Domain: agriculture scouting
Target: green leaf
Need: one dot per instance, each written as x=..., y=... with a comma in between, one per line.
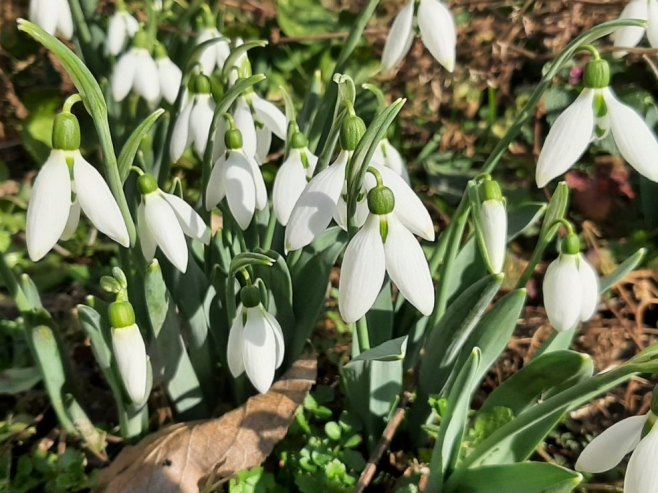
x=557, y=208
x=237, y=52
x=528, y=477
x=17, y=380
x=453, y=423
x=623, y=270
x=393, y=350
x=548, y=371
x=36, y=131
x=131, y=146
x=298, y=18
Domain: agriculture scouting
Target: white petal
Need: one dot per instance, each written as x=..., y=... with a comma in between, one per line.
x=362, y=272
x=567, y=140
x=146, y=239
x=131, y=24
x=609, y=448
x=200, y=121
x=97, y=201
x=634, y=139
x=629, y=37
x=399, y=37
x=589, y=282
x=170, y=77
x=244, y=121
x=271, y=116
x=234, y=346
x=642, y=473
x=130, y=354
x=72, y=221
x=165, y=229
x=222, y=52
x=259, y=184
x=216, y=190
x=562, y=292
x=123, y=75
x=46, y=15
x=652, y=27
x=314, y=209
x=258, y=350
x=147, y=82
x=263, y=143
x=389, y=156
x=48, y=210
x=493, y=219
x=65, y=20
x=181, y=136
x=191, y=223
x=208, y=58
x=438, y=31
x=240, y=188
x=289, y=184
x=116, y=34
x=407, y=266
x=278, y=336
x=409, y=209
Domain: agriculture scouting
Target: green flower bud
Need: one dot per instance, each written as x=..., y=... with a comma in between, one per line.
x=160, y=51
x=147, y=184
x=199, y=84
x=351, y=132
x=597, y=74
x=250, y=296
x=66, y=132
x=571, y=244
x=381, y=201
x=491, y=190
x=142, y=40
x=298, y=141
x=121, y=314
x=233, y=139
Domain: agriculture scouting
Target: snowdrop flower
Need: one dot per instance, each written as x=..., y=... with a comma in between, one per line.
x=630, y=36
x=163, y=220
x=255, y=341
x=386, y=243
x=129, y=351
x=53, y=213
x=389, y=156
x=121, y=28
x=323, y=197
x=237, y=177
x=215, y=55
x=193, y=123
x=637, y=434
x=53, y=16
x=258, y=119
x=591, y=116
x=292, y=177
x=137, y=71
x=571, y=287
x=493, y=221
x=169, y=75
x=437, y=30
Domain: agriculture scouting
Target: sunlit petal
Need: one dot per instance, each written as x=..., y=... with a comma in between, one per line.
x=170, y=77
x=258, y=350
x=562, y=292
x=192, y=224
x=438, y=31
x=289, y=184
x=72, y=222
x=399, y=37
x=216, y=190
x=271, y=116
x=123, y=75
x=589, y=282
x=166, y=231
x=240, y=188
x=493, y=219
x=130, y=355
x=146, y=239
x=278, y=336
x=244, y=121
x=181, y=137
x=147, y=82
x=200, y=121
x=234, y=346
x=629, y=37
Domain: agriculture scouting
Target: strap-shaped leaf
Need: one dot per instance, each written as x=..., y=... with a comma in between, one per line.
x=131, y=146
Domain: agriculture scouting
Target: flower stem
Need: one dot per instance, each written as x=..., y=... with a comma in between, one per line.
x=362, y=334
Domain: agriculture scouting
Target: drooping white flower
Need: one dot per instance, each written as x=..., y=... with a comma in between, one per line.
x=53, y=16
x=592, y=115
x=169, y=76
x=571, y=287
x=609, y=448
x=129, y=351
x=193, y=123
x=387, y=155
x=255, y=342
x=386, y=243
x=292, y=177
x=136, y=71
x=630, y=36
x=493, y=220
x=163, y=220
x=437, y=30
x=236, y=176
x=215, y=55
x=66, y=184
x=258, y=119
x=121, y=27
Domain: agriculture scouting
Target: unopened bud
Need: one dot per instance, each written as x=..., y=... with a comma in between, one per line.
x=147, y=184
x=66, y=132
x=233, y=139
x=250, y=296
x=351, y=132
x=597, y=74
x=381, y=200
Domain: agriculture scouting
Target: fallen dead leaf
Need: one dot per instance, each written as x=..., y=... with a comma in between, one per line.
x=177, y=458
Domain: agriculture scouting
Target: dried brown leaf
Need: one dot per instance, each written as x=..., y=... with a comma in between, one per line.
x=178, y=457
